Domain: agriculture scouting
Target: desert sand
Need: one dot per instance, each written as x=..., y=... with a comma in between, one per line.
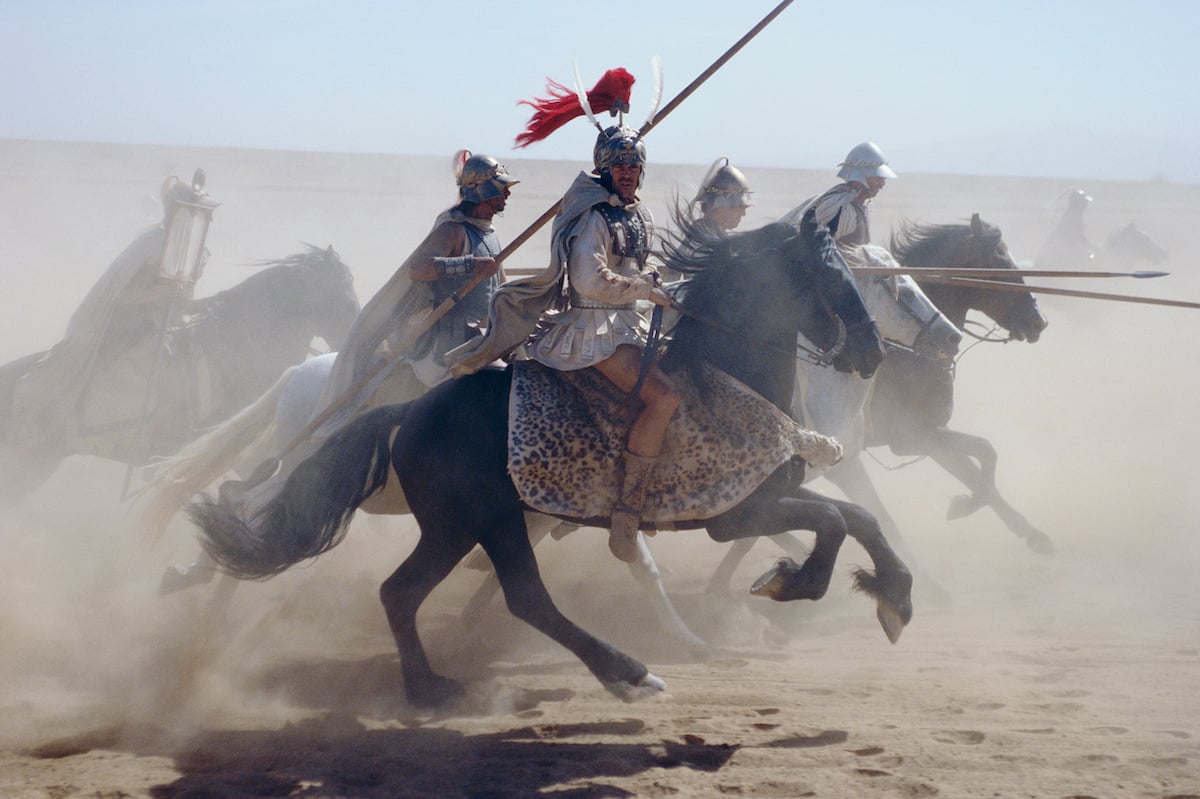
x=1021, y=675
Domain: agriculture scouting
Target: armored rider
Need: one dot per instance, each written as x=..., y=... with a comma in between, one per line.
x=1067, y=246
x=139, y=296
x=722, y=200
x=723, y=197
x=844, y=207
x=461, y=248
x=600, y=244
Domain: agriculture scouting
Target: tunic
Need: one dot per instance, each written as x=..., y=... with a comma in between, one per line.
x=606, y=276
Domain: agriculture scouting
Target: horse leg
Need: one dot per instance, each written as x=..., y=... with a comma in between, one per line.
x=645, y=571
x=755, y=518
x=737, y=552
x=402, y=594
x=525, y=594
x=851, y=477
x=953, y=451
x=891, y=584
x=538, y=526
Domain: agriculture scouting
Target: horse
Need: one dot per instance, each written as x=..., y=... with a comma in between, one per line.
x=913, y=398
x=231, y=347
x=826, y=400
x=1128, y=246
x=446, y=454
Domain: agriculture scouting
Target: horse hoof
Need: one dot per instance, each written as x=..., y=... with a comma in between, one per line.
x=962, y=506
x=775, y=580
x=1041, y=544
x=890, y=620
x=646, y=687
x=434, y=692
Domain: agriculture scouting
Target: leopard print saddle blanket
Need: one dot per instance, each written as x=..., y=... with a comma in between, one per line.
x=566, y=436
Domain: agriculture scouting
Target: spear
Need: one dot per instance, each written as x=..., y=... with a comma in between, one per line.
x=1094, y=295
x=925, y=272
x=413, y=333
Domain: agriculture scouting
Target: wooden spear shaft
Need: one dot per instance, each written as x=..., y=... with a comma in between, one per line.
x=1094, y=295
x=448, y=304
x=930, y=271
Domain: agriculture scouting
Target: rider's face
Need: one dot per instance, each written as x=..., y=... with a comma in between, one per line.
x=625, y=178
x=874, y=185
x=726, y=218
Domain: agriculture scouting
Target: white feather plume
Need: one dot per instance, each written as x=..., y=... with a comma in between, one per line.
x=583, y=99
x=657, y=67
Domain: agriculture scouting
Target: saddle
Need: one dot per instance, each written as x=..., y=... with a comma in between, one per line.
x=567, y=432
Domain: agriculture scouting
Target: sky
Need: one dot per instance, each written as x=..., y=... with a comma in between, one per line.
x=1094, y=89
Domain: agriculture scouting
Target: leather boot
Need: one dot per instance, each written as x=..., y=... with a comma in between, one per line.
x=622, y=535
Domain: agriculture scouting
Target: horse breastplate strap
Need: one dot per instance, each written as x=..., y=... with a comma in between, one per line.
x=630, y=234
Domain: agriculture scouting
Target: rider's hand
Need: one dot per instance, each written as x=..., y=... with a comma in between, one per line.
x=660, y=297
x=483, y=266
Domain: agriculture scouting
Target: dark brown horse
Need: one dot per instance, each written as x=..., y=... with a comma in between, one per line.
x=914, y=396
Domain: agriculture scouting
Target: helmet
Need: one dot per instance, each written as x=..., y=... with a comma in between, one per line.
x=864, y=161
x=724, y=187
x=480, y=177
x=618, y=145
x=1078, y=200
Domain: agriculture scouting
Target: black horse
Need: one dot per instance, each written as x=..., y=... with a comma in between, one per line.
x=914, y=395
x=447, y=451
x=231, y=348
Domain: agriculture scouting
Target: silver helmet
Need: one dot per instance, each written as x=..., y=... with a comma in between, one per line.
x=864, y=161
x=480, y=177
x=723, y=187
x=1078, y=200
x=618, y=145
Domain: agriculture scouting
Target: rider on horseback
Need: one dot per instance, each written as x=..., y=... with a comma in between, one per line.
x=134, y=302
x=843, y=208
x=600, y=244
x=462, y=246
x=723, y=198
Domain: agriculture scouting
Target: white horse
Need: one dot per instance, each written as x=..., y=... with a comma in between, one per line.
x=828, y=401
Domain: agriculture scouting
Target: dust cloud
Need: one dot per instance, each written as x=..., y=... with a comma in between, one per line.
x=1094, y=426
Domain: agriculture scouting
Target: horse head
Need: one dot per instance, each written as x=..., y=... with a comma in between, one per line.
x=976, y=245
x=326, y=293
x=903, y=313
x=1130, y=244
x=751, y=292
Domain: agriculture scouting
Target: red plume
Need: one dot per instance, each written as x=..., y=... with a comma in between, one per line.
x=610, y=93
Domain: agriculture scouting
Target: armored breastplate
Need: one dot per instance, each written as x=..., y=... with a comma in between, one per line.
x=630, y=234
x=474, y=306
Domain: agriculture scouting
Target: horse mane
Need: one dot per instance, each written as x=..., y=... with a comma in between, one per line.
x=709, y=258
x=276, y=269
x=923, y=244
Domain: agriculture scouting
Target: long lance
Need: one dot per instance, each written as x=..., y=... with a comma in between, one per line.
x=924, y=272
x=550, y=212
x=1094, y=295
x=407, y=340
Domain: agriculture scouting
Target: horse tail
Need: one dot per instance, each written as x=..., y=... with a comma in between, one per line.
x=311, y=513
x=189, y=471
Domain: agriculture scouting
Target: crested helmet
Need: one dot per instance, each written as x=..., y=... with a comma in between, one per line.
x=480, y=177
x=723, y=187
